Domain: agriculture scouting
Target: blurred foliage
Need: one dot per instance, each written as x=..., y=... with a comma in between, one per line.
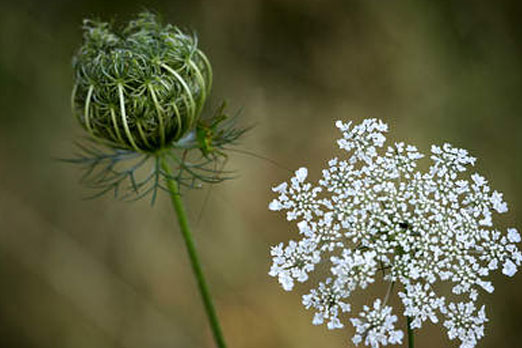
x=104, y=273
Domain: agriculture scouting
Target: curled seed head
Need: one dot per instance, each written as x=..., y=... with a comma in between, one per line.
x=139, y=88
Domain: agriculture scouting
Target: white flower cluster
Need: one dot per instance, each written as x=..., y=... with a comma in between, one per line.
x=376, y=326
x=376, y=215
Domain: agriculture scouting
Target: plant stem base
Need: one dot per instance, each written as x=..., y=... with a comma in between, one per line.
x=177, y=203
x=410, y=333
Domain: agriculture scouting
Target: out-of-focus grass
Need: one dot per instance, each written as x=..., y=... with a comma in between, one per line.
x=103, y=273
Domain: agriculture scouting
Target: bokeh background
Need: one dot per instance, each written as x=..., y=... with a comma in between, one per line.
x=102, y=273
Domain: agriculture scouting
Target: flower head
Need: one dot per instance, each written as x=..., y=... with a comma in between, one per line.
x=139, y=92
x=376, y=326
x=375, y=215
x=142, y=87
x=462, y=323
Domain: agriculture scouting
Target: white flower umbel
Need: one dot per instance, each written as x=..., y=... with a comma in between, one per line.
x=421, y=303
x=294, y=261
x=462, y=324
x=376, y=326
x=375, y=215
x=327, y=300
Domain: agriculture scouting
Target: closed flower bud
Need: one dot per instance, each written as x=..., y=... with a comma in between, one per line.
x=140, y=88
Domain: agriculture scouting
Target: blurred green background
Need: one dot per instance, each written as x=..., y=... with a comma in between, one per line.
x=102, y=273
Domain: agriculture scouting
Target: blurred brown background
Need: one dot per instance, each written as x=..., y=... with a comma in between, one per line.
x=103, y=273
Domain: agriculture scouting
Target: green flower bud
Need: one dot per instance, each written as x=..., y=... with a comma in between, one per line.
x=141, y=88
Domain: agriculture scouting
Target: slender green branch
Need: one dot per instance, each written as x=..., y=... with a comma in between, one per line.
x=185, y=86
x=115, y=126
x=410, y=333
x=87, y=111
x=160, y=114
x=177, y=203
x=124, y=118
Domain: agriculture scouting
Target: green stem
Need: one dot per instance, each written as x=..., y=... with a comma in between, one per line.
x=410, y=332
x=177, y=203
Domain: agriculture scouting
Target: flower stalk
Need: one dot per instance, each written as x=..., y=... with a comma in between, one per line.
x=177, y=203
x=410, y=333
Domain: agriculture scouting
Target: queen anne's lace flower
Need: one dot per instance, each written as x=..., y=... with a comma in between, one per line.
x=299, y=199
x=294, y=261
x=421, y=303
x=375, y=326
x=375, y=215
x=462, y=324
x=327, y=301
